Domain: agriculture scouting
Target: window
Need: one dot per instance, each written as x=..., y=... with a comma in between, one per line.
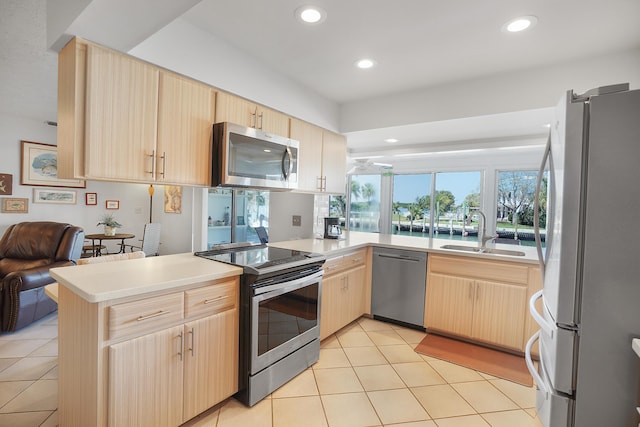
x=457, y=197
x=411, y=206
x=233, y=215
x=364, y=203
x=515, y=207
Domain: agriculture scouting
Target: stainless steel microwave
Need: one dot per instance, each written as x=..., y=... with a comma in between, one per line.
x=248, y=157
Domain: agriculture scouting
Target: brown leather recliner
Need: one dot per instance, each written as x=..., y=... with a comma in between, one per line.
x=27, y=251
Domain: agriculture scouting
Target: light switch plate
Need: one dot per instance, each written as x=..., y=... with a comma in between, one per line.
x=296, y=221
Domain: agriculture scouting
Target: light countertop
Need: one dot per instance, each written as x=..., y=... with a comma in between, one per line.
x=118, y=279
x=354, y=240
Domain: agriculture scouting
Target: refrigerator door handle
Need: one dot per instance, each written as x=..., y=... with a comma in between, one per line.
x=532, y=369
x=536, y=205
x=544, y=325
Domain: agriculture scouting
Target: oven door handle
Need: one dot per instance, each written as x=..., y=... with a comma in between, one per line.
x=284, y=287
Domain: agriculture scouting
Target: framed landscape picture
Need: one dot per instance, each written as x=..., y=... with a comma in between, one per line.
x=42, y=195
x=39, y=164
x=15, y=205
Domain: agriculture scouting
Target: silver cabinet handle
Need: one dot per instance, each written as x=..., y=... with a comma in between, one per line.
x=152, y=315
x=216, y=299
x=192, y=348
x=181, y=344
x=153, y=164
x=164, y=164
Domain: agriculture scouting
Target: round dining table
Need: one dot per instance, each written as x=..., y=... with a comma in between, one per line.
x=97, y=249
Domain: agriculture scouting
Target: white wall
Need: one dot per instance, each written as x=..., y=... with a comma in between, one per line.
x=134, y=198
x=502, y=93
x=282, y=207
x=188, y=50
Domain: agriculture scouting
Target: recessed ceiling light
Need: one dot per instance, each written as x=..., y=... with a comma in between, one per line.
x=391, y=140
x=365, y=63
x=520, y=24
x=310, y=14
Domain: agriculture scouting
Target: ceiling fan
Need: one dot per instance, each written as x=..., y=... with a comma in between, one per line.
x=362, y=164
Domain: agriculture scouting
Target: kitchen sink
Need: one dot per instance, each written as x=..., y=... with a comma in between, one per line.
x=483, y=250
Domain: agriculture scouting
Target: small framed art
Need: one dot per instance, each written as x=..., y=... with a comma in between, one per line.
x=113, y=204
x=91, y=198
x=15, y=205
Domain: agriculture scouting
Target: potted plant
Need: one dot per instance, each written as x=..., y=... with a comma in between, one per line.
x=110, y=224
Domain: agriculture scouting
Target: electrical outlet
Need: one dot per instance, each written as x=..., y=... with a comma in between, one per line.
x=296, y=220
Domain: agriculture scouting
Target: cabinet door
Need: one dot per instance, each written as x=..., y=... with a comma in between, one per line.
x=331, y=308
x=309, y=168
x=185, y=119
x=231, y=108
x=211, y=361
x=356, y=293
x=449, y=304
x=145, y=380
x=272, y=121
x=334, y=162
x=121, y=116
x=499, y=314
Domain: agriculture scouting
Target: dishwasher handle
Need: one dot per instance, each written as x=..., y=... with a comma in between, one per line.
x=400, y=257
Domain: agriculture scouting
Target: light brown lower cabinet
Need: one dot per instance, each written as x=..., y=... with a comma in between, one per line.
x=484, y=301
x=344, y=291
x=148, y=360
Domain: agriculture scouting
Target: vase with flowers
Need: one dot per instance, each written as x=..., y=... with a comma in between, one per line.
x=110, y=224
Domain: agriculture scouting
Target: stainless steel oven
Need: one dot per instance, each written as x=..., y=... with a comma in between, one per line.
x=280, y=293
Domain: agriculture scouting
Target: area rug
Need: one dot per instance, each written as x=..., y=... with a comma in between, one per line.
x=492, y=362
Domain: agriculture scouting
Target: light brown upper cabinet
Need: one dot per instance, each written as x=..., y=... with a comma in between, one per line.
x=121, y=116
x=122, y=119
x=334, y=162
x=234, y=109
x=185, y=119
x=309, y=166
x=327, y=175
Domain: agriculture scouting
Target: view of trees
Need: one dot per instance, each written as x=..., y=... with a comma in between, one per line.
x=516, y=194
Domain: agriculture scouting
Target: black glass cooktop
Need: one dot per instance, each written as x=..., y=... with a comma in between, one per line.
x=255, y=258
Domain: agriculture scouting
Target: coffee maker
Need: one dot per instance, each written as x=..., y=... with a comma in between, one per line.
x=332, y=228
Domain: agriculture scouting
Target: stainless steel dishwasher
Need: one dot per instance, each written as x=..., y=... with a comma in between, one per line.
x=399, y=284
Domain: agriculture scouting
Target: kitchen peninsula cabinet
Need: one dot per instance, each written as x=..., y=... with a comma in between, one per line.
x=485, y=301
x=344, y=291
x=122, y=119
x=154, y=356
x=234, y=109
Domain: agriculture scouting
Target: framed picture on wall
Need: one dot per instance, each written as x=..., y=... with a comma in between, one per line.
x=91, y=198
x=42, y=195
x=113, y=204
x=39, y=166
x=15, y=205
x=6, y=184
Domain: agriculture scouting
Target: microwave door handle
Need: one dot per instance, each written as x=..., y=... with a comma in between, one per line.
x=287, y=171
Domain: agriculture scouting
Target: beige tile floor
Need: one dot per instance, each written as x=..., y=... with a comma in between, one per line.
x=367, y=375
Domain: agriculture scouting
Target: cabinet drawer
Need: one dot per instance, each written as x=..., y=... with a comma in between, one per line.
x=333, y=265
x=211, y=299
x=355, y=259
x=480, y=269
x=147, y=315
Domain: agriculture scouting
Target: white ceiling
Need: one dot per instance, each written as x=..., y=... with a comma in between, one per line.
x=416, y=43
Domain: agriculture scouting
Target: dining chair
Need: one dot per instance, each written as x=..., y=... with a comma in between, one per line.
x=150, y=243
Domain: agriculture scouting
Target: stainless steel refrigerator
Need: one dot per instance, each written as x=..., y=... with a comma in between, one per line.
x=588, y=374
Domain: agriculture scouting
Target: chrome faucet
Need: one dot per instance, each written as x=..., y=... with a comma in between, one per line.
x=484, y=239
